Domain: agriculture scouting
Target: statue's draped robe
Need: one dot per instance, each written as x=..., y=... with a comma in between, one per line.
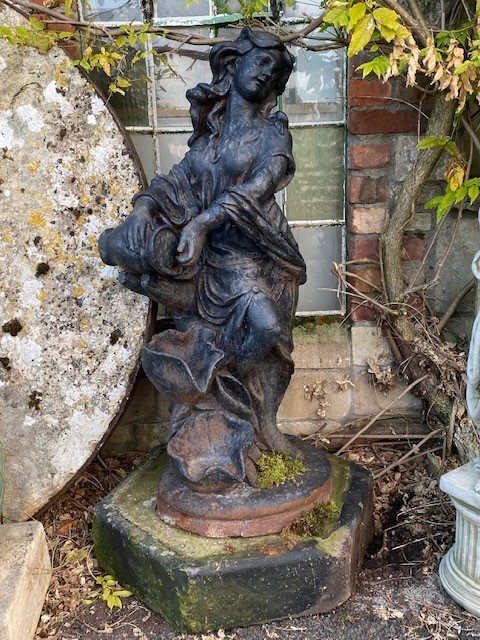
x=253, y=253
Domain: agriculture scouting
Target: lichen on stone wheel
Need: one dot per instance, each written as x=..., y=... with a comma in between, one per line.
x=70, y=335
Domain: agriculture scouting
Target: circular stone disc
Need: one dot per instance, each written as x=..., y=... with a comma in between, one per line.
x=70, y=335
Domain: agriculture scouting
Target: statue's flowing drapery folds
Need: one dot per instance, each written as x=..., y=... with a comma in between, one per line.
x=227, y=363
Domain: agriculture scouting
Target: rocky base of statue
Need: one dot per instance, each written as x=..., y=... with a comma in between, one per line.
x=198, y=584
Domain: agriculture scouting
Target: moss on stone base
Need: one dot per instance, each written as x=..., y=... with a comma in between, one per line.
x=197, y=584
x=274, y=469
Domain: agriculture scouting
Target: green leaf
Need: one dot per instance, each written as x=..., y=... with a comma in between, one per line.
x=452, y=149
x=377, y=65
x=444, y=207
x=432, y=142
x=123, y=82
x=36, y=23
x=434, y=203
x=461, y=193
x=355, y=14
x=473, y=192
x=361, y=35
x=463, y=67
x=123, y=593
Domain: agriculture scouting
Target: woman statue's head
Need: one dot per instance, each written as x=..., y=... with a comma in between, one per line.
x=257, y=65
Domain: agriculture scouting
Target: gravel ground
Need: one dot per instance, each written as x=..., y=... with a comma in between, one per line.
x=398, y=594
x=387, y=606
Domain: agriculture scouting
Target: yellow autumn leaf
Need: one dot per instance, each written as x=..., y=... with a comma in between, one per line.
x=387, y=34
x=355, y=14
x=387, y=17
x=454, y=175
x=106, y=67
x=361, y=35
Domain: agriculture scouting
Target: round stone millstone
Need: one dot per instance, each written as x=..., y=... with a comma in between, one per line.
x=70, y=335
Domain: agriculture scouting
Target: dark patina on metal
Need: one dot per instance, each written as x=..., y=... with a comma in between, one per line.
x=209, y=242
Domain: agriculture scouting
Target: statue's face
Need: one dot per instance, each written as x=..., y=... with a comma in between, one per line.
x=258, y=73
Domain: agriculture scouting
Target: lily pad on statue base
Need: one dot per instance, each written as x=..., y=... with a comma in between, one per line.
x=198, y=584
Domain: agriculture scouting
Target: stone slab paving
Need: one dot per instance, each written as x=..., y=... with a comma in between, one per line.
x=25, y=574
x=70, y=335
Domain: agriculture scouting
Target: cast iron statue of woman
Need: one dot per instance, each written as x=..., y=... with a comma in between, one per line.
x=210, y=243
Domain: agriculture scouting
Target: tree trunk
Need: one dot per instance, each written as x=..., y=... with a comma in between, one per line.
x=402, y=326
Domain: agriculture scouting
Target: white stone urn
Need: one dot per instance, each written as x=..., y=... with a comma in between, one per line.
x=460, y=568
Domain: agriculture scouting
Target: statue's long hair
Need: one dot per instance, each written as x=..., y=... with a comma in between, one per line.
x=208, y=102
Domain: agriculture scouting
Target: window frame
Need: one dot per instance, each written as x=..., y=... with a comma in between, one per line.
x=212, y=23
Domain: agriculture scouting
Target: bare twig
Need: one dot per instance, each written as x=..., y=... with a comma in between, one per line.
x=471, y=132
x=348, y=285
x=384, y=410
x=407, y=455
x=451, y=426
x=456, y=301
x=417, y=14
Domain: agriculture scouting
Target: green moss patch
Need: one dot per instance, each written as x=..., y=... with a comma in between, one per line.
x=315, y=520
x=275, y=469
x=307, y=330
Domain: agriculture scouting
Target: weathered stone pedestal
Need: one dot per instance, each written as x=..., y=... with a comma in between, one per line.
x=460, y=568
x=198, y=584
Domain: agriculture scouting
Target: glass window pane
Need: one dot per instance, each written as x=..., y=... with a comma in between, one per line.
x=175, y=73
x=172, y=148
x=316, y=191
x=131, y=108
x=303, y=7
x=228, y=6
x=320, y=247
x=178, y=8
x=143, y=143
x=315, y=90
x=113, y=10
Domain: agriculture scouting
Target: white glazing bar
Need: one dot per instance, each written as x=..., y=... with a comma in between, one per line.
x=305, y=224
x=302, y=125
x=323, y=312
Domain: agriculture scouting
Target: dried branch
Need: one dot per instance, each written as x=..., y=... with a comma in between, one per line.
x=380, y=413
x=348, y=285
x=417, y=14
x=453, y=306
x=407, y=455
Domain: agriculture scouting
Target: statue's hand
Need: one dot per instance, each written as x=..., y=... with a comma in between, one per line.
x=139, y=225
x=191, y=243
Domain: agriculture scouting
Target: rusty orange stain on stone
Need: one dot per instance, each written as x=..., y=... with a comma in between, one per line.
x=33, y=166
x=78, y=291
x=7, y=235
x=37, y=219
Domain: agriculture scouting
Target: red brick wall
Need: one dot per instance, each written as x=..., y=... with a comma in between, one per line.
x=378, y=114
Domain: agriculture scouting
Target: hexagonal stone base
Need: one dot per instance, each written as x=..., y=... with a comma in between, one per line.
x=198, y=584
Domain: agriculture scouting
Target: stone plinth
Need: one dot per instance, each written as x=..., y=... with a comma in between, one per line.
x=25, y=574
x=197, y=583
x=460, y=568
